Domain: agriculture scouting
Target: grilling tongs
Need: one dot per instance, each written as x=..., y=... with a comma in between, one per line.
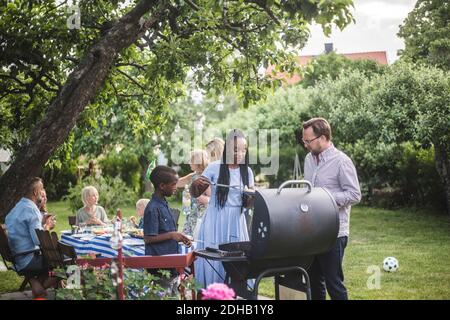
x=248, y=192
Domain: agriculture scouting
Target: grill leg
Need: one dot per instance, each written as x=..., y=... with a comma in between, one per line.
x=282, y=271
x=240, y=287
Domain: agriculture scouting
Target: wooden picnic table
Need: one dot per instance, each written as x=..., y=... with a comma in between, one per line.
x=177, y=261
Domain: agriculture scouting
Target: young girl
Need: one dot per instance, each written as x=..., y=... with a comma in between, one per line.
x=223, y=221
x=48, y=220
x=198, y=162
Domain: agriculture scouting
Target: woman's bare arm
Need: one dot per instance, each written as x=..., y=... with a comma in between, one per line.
x=184, y=180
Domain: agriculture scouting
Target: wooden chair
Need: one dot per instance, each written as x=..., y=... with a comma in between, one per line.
x=175, y=215
x=68, y=252
x=9, y=258
x=72, y=220
x=56, y=253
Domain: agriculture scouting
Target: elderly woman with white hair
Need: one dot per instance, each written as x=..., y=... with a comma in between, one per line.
x=91, y=213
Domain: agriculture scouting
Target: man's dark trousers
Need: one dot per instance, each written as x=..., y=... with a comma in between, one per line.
x=326, y=273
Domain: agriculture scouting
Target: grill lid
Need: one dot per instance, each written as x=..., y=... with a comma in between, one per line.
x=293, y=222
x=287, y=223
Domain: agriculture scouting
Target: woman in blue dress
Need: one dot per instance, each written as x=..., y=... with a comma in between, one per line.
x=223, y=221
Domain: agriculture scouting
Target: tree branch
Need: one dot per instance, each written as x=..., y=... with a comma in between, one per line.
x=148, y=39
x=56, y=7
x=138, y=66
x=132, y=80
x=80, y=89
x=192, y=5
x=7, y=76
x=173, y=14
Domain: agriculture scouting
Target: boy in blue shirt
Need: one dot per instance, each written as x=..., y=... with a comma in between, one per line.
x=160, y=232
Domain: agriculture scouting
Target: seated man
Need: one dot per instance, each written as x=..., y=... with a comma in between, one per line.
x=21, y=223
x=160, y=233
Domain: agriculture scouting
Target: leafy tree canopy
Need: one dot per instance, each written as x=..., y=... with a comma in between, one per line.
x=425, y=32
x=223, y=43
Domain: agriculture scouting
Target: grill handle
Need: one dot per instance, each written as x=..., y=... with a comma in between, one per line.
x=289, y=182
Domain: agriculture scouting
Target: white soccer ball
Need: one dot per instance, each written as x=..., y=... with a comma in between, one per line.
x=390, y=264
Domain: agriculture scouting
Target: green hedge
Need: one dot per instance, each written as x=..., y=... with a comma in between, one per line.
x=383, y=121
x=58, y=179
x=113, y=193
x=124, y=165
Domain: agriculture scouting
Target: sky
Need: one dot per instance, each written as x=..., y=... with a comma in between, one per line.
x=375, y=29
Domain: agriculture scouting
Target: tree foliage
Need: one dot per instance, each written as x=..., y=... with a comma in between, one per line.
x=374, y=118
x=132, y=50
x=223, y=42
x=113, y=193
x=425, y=32
x=395, y=125
x=332, y=65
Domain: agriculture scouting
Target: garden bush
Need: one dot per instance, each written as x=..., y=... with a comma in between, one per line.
x=58, y=178
x=100, y=283
x=388, y=122
x=113, y=193
x=124, y=165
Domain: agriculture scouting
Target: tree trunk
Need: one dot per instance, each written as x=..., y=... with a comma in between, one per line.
x=442, y=157
x=146, y=185
x=80, y=88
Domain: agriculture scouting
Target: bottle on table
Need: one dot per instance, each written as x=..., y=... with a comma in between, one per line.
x=186, y=204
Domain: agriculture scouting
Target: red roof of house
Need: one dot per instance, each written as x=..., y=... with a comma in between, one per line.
x=377, y=56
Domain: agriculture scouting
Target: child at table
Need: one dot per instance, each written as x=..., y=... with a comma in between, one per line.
x=160, y=233
x=140, y=208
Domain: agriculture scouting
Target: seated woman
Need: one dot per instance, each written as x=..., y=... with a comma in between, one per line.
x=91, y=213
x=48, y=220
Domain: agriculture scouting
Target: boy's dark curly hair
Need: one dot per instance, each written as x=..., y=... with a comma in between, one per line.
x=162, y=174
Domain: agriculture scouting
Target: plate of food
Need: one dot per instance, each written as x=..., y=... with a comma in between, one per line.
x=138, y=233
x=84, y=236
x=98, y=232
x=133, y=242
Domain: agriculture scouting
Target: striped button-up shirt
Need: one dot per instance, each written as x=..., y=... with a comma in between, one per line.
x=334, y=170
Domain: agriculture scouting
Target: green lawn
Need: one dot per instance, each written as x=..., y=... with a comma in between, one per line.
x=419, y=240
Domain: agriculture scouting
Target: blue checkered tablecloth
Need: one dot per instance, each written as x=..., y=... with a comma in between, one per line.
x=101, y=245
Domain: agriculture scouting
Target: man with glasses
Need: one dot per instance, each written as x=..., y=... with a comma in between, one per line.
x=328, y=167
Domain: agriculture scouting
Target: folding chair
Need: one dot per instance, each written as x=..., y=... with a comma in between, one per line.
x=175, y=215
x=56, y=253
x=72, y=220
x=9, y=259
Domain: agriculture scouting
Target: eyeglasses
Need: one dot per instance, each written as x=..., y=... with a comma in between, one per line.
x=309, y=141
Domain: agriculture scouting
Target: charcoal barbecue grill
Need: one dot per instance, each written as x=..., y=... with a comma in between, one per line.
x=289, y=226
